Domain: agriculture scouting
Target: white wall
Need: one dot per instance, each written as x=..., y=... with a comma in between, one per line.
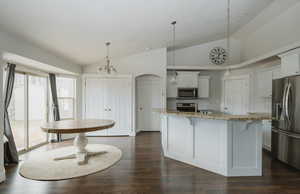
x=151, y=62
x=16, y=45
x=199, y=55
x=277, y=32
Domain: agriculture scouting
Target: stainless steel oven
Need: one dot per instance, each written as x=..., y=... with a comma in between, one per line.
x=187, y=92
x=187, y=107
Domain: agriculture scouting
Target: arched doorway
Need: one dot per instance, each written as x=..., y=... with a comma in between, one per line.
x=148, y=96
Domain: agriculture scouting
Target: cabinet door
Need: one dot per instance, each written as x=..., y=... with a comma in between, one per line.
x=171, y=88
x=267, y=132
x=95, y=102
x=290, y=65
x=264, y=83
x=277, y=73
x=203, y=87
x=187, y=79
x=118, y=102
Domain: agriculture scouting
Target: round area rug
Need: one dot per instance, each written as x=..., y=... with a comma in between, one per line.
x=43, y=167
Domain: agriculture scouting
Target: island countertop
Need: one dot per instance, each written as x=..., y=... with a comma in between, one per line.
x=216, y=116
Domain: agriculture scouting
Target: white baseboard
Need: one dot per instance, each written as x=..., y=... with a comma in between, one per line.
x=2, y=175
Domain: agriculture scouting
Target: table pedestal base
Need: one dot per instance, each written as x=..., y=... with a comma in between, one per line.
x=81, y=154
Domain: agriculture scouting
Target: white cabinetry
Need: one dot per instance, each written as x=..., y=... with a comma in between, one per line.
x=264, y=84
x=277, y=73
x=171, y=88
x=203, y=86
x=267, y=133
x=290, y=63
x=264, y=81
x=187, y=79
x=109, y=98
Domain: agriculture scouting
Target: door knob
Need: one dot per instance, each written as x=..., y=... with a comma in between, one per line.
x=141, y=108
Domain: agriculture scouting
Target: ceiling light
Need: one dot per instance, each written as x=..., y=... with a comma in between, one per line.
x=174, y=76
x=108, y=68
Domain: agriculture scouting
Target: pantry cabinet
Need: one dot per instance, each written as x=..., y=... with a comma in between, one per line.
x=290, y=64
x=264, y=81
x=109, y=98
x=203, y=86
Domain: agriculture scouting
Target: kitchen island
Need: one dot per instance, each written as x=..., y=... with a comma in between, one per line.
x=229, y=145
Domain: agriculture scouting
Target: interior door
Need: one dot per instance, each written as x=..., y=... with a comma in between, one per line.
x=118, y=102
x=148, y=98
x=236, y=95
x=95, y=90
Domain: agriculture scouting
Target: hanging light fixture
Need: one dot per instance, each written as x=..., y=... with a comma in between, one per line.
x=108, y=68
x=174, y=76
x=227, y=73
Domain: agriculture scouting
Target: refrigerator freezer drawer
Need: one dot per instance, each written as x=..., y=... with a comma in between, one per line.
x=285, y=147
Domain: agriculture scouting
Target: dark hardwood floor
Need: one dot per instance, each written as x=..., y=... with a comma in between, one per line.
x=143, y=170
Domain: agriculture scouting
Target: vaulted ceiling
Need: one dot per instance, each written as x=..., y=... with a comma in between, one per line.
x=78, y=29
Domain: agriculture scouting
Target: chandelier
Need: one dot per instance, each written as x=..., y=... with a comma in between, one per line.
x=108, y=68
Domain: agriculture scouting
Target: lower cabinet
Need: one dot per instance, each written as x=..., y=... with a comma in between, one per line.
x=109, y=98
x=267, y=133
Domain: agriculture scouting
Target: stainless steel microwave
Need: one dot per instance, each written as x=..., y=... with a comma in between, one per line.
x=187, y=92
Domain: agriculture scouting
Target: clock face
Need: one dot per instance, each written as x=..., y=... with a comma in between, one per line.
x=218, y=55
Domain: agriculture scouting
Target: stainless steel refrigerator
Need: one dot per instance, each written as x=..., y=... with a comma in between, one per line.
x=286, y=120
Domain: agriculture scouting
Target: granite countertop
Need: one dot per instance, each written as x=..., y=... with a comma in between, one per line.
x=217, y=115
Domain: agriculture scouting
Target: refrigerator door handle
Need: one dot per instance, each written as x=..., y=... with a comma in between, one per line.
x=287, y=102
x=293, y=135
x=283, y=100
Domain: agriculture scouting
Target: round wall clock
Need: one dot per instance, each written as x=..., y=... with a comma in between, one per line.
x=218, y=55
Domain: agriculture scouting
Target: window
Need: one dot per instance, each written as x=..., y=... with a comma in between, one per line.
x=28, y=110
x=66, y=92
x=37, y=109
x=16, y=112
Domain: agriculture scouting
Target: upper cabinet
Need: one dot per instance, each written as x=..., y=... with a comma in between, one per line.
x=290, y=63
x=187, y=79
x=203, y=86
x=264, y=81
x=171, y=88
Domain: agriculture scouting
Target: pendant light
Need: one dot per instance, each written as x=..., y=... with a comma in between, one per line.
x=174, y=76
x=108, y=68
x=227, y=73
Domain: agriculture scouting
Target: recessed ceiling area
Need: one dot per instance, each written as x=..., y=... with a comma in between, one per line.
x=78, y=29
